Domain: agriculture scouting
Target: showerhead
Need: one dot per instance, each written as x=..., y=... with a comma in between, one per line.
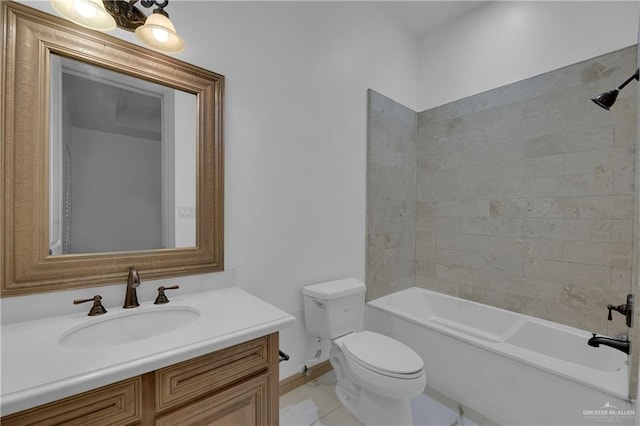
x=607, y=99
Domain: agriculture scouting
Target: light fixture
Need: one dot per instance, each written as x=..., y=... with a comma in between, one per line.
x=88, y=13
x=156, y=31
x=607, y=99
x=159, y=33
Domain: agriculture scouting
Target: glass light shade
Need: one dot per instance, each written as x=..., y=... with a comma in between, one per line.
x=159, y=33
x=88, y=13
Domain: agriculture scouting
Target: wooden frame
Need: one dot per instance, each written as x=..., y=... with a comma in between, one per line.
x=28, y=38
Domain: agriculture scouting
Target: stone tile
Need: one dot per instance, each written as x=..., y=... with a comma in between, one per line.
x=609, y=67
x=489, y=296
x=598, y=253
x=475, y=190
x=544, y=145
x=473, y=208
x=426, y=224
x=519, y=285
x=440, y=286
x=568, y=229
x=437, y=255
x=462, y=275
x=528, y=207
x=529, y=88
x=584, y=137
x=479, y=243
x=600, y=161
x=490, y=262
x=425, y=239
x=437, y=192
x=425, y=269
x=622, y=230
x=620, y=284
x=493, y=153
x=463, y=208
x=492, y=226
x=447, y=224
x=544, y=122
x=537, y=248
x=426, y=208
x=472, y=104
x=513, y=188
x=623, y=182
x=565, y=272
x=625, y=133
x=617, y=206
x=572, y=185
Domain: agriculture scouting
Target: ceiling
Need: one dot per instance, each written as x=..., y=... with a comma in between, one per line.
x=420, y=17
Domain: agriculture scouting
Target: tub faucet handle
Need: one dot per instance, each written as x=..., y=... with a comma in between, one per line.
x=626, y=310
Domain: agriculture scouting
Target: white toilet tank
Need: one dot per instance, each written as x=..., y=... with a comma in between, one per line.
x=334, y=308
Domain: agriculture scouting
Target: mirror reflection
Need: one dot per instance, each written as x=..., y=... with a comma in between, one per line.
x=122, y=162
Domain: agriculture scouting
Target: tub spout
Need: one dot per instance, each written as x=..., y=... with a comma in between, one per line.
x=621, y=345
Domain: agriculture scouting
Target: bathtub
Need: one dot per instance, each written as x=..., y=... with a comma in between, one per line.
x=512, y=368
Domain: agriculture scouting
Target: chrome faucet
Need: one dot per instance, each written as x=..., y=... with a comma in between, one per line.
x=621, y=345
x=133, y=281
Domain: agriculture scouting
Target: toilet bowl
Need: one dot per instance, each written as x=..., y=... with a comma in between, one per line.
x=376, y=375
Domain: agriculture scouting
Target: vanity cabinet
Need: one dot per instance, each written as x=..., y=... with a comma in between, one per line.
x=232, y=386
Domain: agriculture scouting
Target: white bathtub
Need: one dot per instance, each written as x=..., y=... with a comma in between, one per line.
x=513, y=368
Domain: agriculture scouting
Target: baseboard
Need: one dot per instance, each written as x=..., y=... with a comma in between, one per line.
x=290, y=383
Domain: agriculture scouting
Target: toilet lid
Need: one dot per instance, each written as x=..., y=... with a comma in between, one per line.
x=383, y=354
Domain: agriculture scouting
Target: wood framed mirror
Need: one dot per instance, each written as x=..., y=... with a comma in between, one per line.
x=33, y=42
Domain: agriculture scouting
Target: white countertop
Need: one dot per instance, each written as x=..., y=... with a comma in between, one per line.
x=37, y=369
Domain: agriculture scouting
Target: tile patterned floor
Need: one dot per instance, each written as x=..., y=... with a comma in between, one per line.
x=315, y=403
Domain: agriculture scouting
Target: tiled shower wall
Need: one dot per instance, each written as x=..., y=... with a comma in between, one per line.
x=391, y=196
x=524, y=196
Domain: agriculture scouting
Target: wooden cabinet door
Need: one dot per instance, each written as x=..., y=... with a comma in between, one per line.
x=244, y=404
x=114, y=405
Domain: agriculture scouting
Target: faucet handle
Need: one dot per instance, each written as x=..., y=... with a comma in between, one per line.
x=162, y=298
x=626, y=310
x=610, y=308
x=96, y=309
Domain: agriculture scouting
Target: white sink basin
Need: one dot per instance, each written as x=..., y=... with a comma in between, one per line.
x=129, y=326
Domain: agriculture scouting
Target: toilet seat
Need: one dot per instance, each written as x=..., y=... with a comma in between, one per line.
x=383, y=355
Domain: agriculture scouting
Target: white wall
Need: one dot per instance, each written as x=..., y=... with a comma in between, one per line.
x=297, y=76
x=295, y=137
x=504, y=42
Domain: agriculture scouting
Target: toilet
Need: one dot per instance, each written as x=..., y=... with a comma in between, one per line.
x=376, y=375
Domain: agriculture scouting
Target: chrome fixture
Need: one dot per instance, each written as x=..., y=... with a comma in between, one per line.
x=626, y=310
x=156, y=31
x=621, y=345
x=607, y=99
x=97, y=308
x=162, y=298
x=131, y=297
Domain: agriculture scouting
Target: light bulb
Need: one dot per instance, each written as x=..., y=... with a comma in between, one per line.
x=160, y=34
x=86, y=10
